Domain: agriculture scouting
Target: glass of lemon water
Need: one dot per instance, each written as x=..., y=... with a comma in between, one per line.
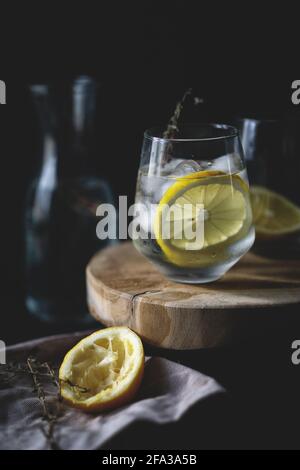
x=192, y=202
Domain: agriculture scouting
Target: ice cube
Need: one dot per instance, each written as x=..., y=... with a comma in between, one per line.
x=221, y=164
x=154, y=187
x=161, y=189
x=230, y=163
x=147, y=185
x=170, y=166
x=146, y=213
x=186, y=167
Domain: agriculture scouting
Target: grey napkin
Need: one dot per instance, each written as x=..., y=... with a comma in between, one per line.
x=169, y=391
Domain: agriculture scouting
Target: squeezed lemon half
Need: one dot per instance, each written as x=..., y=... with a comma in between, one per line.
x=225, y=202
x=103, y=371
x=274, y=216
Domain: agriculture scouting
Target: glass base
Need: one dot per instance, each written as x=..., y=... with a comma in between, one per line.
x=205, y=274
x=199, y=276
x=194, y=279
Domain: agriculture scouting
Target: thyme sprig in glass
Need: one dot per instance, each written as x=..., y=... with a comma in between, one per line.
x=173, y=124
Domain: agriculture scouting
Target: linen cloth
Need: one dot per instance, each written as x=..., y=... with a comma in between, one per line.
x=169, y=392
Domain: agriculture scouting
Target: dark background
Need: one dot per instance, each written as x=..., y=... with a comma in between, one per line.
x=144, y=54
x=240, y=59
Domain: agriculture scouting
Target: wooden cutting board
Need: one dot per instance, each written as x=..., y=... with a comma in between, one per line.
x=258, y=294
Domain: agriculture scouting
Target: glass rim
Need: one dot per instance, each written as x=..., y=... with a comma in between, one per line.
x=231, y=132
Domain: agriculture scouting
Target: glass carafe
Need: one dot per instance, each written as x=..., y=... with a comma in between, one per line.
x=60, y=216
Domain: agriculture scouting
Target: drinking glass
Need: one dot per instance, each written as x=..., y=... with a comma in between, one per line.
x=192, y=202
x=272, y=149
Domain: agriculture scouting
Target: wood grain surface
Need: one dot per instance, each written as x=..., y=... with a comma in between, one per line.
x=258, y=294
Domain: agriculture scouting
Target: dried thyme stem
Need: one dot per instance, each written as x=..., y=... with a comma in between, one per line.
x=51, y=419
x=37, y=370
x=172, y=127
x=52, y=374
x=55, y=382
x=76, y=387
x=38, y=386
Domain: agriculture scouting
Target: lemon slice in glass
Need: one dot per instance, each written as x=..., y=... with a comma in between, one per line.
x=226, y=209
x=103, y=371
x=274, y=216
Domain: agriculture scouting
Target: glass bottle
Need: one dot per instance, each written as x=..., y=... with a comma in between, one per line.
x=60, y=215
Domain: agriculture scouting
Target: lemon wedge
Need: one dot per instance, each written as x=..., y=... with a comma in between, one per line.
x=103, y=371
x=226, y=212
x=274, y=215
